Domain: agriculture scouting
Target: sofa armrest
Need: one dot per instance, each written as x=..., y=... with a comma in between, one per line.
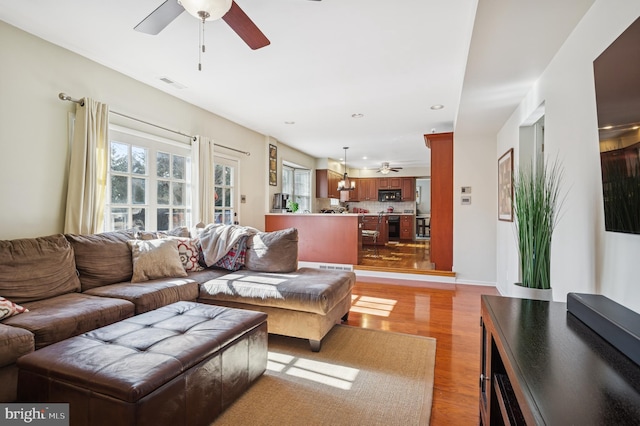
x=14, y=342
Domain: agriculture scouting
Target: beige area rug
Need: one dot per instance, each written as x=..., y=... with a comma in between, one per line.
x=360, y=377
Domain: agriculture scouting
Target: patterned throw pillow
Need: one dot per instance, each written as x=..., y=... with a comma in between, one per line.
x=9, y=309
x=235, y=258
x=190, y=252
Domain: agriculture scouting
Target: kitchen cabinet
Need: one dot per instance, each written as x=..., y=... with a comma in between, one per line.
x=389, y=183
x=407, y=222
x=366, y=189
x=408, y=189
x=327, y=183
x=370, y=222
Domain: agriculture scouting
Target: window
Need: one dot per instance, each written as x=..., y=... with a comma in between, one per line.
x=296, y=182
x=225, y=182
x=149, y=182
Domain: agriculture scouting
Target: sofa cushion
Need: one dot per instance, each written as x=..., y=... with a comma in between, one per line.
x=150, y=295
x=154, y=259
x=37, y=268
x=102, y=259
x=275, y=251
x=9, y=309
x=14, y=342
x=307, y=290
x=61, y=317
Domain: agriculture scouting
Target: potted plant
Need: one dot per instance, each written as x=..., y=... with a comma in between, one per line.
x=293, y=206
x=536, y=204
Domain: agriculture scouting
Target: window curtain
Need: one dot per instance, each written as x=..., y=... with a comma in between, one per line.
x=88, y=169
x=202, y=152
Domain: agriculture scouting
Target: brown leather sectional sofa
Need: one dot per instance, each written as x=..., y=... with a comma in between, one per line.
x=73, y=284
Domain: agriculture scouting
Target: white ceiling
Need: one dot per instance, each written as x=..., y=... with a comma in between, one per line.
x=329, y=59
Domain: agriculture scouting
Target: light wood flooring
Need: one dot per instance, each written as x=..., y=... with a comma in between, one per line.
x=448, y=312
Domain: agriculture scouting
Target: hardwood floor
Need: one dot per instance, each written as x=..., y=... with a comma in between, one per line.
x=448, y=312
x=407, y=255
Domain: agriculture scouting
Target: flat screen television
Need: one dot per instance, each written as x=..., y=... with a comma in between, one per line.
x=617, y=85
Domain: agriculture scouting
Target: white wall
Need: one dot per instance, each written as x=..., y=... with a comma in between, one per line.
x=33, y=131
x=474, y=225
x=584, y=257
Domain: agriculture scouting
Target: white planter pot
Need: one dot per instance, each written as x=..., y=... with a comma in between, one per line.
x=531, y=293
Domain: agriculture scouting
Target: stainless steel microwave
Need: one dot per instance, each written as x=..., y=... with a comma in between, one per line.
x=389, y=194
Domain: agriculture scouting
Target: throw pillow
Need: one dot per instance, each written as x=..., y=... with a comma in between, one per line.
x=275, y=251
x=153, y=259
x=235, y=258
x=190, y=251
x=9, y=309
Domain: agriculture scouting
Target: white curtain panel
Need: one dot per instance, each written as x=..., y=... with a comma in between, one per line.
x=88, y=169
x=202, y=150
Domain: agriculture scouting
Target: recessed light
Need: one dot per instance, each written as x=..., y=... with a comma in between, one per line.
x=289, y=122
x=358, y=115
x=436, y=107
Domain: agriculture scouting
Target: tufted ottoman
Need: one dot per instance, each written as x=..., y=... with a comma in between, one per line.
x=181, y=364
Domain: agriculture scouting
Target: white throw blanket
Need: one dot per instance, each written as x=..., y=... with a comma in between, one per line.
x=217, y=239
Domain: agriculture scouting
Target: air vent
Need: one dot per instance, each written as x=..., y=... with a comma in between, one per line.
x=326, y=266
x=172, y=83
x=331, y=267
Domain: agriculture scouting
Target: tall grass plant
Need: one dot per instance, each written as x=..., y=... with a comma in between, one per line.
x=537, y=201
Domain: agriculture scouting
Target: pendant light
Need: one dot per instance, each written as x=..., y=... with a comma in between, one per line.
x=346, y=184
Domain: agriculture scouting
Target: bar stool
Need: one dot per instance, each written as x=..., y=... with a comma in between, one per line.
x=421, y=226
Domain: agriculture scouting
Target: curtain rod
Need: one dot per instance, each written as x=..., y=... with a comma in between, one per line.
x=65, y=97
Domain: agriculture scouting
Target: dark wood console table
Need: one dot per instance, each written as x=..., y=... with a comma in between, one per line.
x=541, y=365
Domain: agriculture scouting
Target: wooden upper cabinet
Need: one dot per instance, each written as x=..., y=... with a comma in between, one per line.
x=366, y=189
x=389, y=183
x=408, y=189
x=327, y=183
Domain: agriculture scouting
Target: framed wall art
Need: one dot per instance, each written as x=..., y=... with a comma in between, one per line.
x=273, y=165
x=505, y=186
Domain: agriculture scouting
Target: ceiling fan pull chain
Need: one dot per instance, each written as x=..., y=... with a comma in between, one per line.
x=201, y=48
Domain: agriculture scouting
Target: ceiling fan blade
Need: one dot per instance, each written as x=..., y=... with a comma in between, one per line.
x=245, y=28
x=157, y=20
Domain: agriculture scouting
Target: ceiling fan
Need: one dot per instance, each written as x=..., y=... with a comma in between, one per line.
x=205, y=10
x=385, y=169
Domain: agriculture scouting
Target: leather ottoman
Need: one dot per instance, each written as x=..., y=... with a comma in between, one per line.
x=181, y=364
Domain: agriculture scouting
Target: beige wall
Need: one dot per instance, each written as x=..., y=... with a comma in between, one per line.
x=34, y=137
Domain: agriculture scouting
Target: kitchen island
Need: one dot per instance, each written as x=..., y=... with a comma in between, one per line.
x=322, y=237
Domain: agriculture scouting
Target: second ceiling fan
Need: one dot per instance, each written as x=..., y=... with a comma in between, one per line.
x=206, y=10
x=385, y=169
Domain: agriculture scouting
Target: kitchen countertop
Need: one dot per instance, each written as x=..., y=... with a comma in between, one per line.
x=341, y=214
x=314, y=214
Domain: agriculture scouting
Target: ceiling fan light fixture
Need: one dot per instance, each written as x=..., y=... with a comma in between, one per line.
x=208, y=10
x=385, y=171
